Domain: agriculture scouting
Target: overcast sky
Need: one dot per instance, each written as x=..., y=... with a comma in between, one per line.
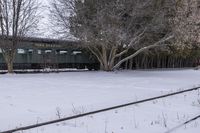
x=44, y=25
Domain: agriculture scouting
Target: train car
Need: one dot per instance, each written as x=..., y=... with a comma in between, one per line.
x=39, y=53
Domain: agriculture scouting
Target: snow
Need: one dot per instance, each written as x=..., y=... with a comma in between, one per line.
x=31, y=98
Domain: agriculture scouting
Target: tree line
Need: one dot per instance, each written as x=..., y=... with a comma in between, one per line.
x=119, y=33
x=116, y=31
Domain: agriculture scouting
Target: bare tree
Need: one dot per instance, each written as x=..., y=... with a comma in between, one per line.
x=18, y=18
x=111, y=29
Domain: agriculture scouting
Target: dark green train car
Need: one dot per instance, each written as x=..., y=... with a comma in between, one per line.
x=38, y=53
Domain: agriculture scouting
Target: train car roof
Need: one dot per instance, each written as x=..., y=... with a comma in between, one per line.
x=48, y=40
x=43, y=42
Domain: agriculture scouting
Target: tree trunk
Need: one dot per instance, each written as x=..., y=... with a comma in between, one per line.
x=10, y=67
x=9, y=58
x=131, y=64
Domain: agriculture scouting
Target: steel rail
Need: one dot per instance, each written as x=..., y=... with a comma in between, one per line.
x=185, y=123
x=98, y=111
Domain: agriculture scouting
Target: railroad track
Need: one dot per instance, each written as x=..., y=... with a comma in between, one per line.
x=106, y=109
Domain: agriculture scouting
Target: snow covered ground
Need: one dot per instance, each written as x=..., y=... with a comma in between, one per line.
x=31, y=98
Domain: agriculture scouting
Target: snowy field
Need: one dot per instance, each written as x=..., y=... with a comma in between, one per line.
x=33, y=98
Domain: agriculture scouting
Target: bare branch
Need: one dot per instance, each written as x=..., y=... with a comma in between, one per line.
x=157, y=44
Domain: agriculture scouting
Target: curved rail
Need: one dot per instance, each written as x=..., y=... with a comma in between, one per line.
x=185, y=123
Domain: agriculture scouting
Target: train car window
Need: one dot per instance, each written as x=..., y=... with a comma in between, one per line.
x=56, y=51
x=30, y=51
x=0, y=50
x=63, y=52
x=21, y=51
x=76, y=52
x=39, y=51
x=48, y=51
